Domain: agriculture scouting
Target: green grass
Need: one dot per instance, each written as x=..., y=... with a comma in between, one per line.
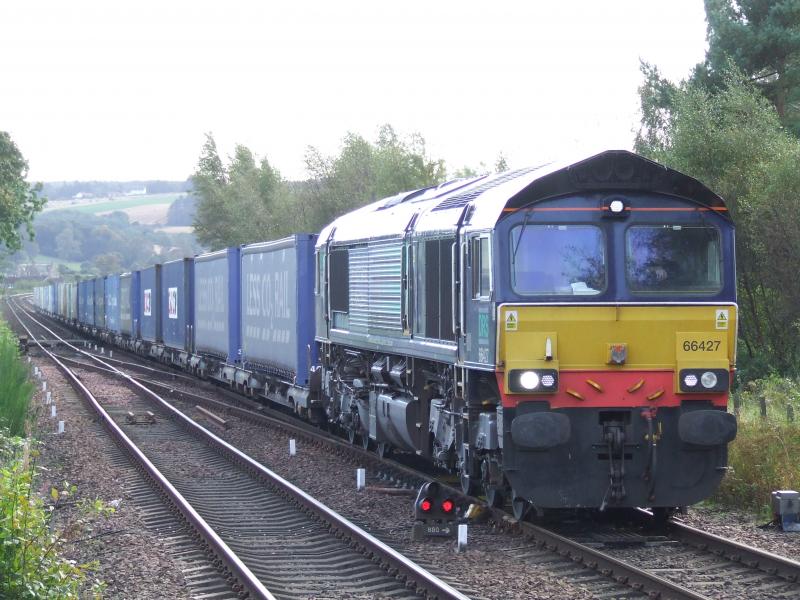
x=765, y=456
x=16, y=389
x=122, y=203
x=44, y=259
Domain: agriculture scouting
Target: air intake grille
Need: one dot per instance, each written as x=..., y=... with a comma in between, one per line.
x=465, y=198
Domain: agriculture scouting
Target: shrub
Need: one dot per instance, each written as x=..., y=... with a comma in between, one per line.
x=30, y=566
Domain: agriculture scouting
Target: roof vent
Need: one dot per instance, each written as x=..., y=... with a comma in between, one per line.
x=465, y=198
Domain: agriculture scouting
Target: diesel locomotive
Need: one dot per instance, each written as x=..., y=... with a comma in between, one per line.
x=561, y=336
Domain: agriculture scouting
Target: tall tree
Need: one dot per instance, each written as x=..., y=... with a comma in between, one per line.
x=762, y=38
x=732, y=139
x=364, y=172
x=19, y=201
x=237, y=203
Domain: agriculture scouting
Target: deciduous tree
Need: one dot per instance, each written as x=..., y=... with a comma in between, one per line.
x=19, y=201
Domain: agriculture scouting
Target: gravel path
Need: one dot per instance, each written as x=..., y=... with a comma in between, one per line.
x=133, y=561
x=744, y=528
x=496, y=565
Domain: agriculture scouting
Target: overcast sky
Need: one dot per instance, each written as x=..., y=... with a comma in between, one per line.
x=126, y=90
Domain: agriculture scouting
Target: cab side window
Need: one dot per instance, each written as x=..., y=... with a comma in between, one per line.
x=481, y=268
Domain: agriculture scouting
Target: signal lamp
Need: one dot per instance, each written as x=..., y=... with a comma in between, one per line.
x=548, y=380
x=448, y=506
x=690, y=380
x=426, y=505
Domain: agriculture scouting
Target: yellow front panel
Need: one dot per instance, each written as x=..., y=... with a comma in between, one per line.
x=655, y=337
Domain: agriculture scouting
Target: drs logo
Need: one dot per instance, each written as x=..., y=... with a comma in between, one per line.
x=147, y=308
x=173, y=302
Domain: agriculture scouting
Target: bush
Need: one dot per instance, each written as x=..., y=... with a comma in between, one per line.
x=16, y=389
x=30, y=566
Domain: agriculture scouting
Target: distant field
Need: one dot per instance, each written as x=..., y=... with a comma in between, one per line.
x=42, y=259
x=150, y=209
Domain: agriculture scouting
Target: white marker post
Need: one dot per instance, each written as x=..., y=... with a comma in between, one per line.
x=36, y=370
x=462, y=538
x=292, y=448
x=361, y=479
x=61, y=427
x=52, y=411
x=102, y=350
x=44, y=386
x=110, y=354
x=48, y=398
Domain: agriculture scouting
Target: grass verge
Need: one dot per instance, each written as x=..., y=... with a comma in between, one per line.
x=765, y=456
x=16, y=389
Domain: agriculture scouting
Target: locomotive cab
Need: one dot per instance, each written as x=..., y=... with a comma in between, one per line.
x=616, y=348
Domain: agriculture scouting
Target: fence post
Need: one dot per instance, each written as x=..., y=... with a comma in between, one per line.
x=790, y=413
x=762, y=402
x=737, y=405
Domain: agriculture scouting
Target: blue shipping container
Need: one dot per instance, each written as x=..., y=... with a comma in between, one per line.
x=112, y=303
x=99, y=302
x=86, y=302
x=216, y=304
x=177, y=295
x=277, y=307
x=129, y=304
x=150, y=304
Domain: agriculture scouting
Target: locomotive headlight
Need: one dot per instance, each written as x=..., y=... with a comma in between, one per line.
x=529, y=380
x=708, y=379
x=616, y=206
x=703, y=381
x=525, y=381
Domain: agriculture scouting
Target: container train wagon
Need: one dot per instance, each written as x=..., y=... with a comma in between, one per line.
x=561, y=336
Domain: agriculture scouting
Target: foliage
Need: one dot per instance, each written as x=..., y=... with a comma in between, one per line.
x=732, y=140
x=764, y=454
x=762, y=38
x=247, y=200
x=16, y=389
x=181, y=212
x=30, y=565
x=364, y=172
x=19, y=202
x=238, y=203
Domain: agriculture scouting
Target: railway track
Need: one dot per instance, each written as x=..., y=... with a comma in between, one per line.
x=274, y=539
x=676, y=561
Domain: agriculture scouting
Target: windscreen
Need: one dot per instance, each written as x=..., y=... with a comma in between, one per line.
x=673, y=258
x=558, y=260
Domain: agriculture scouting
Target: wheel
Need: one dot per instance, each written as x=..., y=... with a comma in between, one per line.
x=495, y=496
x=365, y=441
x=661, y=515
x=519, y=506
x=467, y=484
x=382, y=449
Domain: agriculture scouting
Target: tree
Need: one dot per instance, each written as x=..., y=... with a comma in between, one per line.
x=364, y=172
x=237, y=203
x=19, y=202
x=762, y=38
x=732, y=139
